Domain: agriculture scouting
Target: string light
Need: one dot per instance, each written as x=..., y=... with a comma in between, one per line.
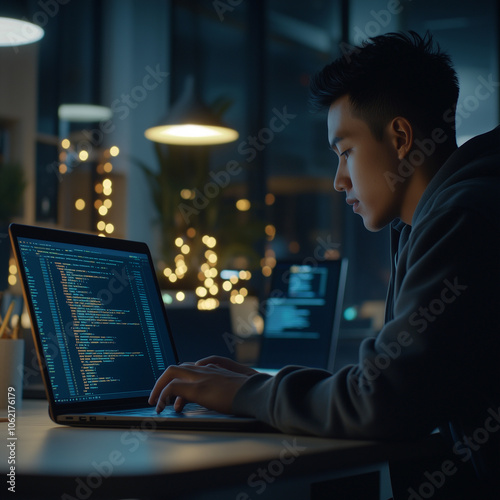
x=12, y=279
x=104, y=188
x=80, y=204
x=210, y=282
x=270, y=199
x=243, y=205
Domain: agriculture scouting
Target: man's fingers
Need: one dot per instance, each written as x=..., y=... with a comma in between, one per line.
x=167, y=376
x=213, y=360
x=179, y=404
x=226, y=363
x=172, y=392
x=175, y=385
x=209, y=385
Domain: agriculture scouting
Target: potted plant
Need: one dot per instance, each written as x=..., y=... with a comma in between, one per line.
x=182, y=177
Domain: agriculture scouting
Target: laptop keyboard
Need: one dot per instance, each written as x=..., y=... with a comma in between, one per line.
x=190, y=410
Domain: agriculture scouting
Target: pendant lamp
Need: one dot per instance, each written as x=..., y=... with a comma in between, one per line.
x=14, y=32
x=191, y=123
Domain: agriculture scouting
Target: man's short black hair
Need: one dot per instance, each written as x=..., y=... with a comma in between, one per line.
x=391, y=75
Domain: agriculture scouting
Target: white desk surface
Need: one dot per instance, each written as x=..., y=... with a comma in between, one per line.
x=50, y=458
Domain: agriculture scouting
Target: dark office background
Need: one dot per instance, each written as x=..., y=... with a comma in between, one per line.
x=258, y=55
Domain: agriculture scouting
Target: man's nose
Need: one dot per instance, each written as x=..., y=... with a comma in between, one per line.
x=342, y=181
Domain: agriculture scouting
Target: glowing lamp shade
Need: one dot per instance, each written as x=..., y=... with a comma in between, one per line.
x=14, y=32
x=191, y=134
x=191, y=123
x=84, y=113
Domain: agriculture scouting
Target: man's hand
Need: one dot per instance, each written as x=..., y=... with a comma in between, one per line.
x=211, y=382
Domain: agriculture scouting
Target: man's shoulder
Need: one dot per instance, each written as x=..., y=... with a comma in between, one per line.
x=474, y=188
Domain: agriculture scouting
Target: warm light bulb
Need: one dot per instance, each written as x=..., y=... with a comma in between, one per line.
x=191, y=134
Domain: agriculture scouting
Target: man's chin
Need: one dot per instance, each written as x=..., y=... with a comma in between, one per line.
x=372, y=226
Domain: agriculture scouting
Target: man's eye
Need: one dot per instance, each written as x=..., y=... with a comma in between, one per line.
x=345, y=154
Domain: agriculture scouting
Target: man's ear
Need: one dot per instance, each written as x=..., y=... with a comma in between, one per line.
x=401, y=135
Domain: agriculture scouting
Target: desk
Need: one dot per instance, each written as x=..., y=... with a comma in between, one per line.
x=54, y=461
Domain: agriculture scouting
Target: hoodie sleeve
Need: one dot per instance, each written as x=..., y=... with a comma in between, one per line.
x=435, y=359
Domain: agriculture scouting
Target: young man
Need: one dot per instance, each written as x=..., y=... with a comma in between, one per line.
x=436, y=363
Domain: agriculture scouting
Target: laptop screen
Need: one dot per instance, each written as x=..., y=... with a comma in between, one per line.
x=302, y=314
x=99, y=317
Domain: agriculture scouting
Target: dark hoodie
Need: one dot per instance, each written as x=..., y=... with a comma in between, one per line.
x=436, y=362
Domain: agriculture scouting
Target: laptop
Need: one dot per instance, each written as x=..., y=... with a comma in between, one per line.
x=101, y=331
x=302, y=314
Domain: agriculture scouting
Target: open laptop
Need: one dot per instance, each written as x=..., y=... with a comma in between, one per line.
x=101, y=331
x=302, y=314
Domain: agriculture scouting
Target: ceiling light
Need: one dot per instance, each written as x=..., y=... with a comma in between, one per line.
x=14, y=32
x=190, y=122
x=84, y=113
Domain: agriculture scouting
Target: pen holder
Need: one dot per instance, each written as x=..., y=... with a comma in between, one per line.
x=11, y=372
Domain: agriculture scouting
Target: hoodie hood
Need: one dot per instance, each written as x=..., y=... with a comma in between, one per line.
x=475, y=162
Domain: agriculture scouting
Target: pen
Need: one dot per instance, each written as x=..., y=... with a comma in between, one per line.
x=6, y=319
